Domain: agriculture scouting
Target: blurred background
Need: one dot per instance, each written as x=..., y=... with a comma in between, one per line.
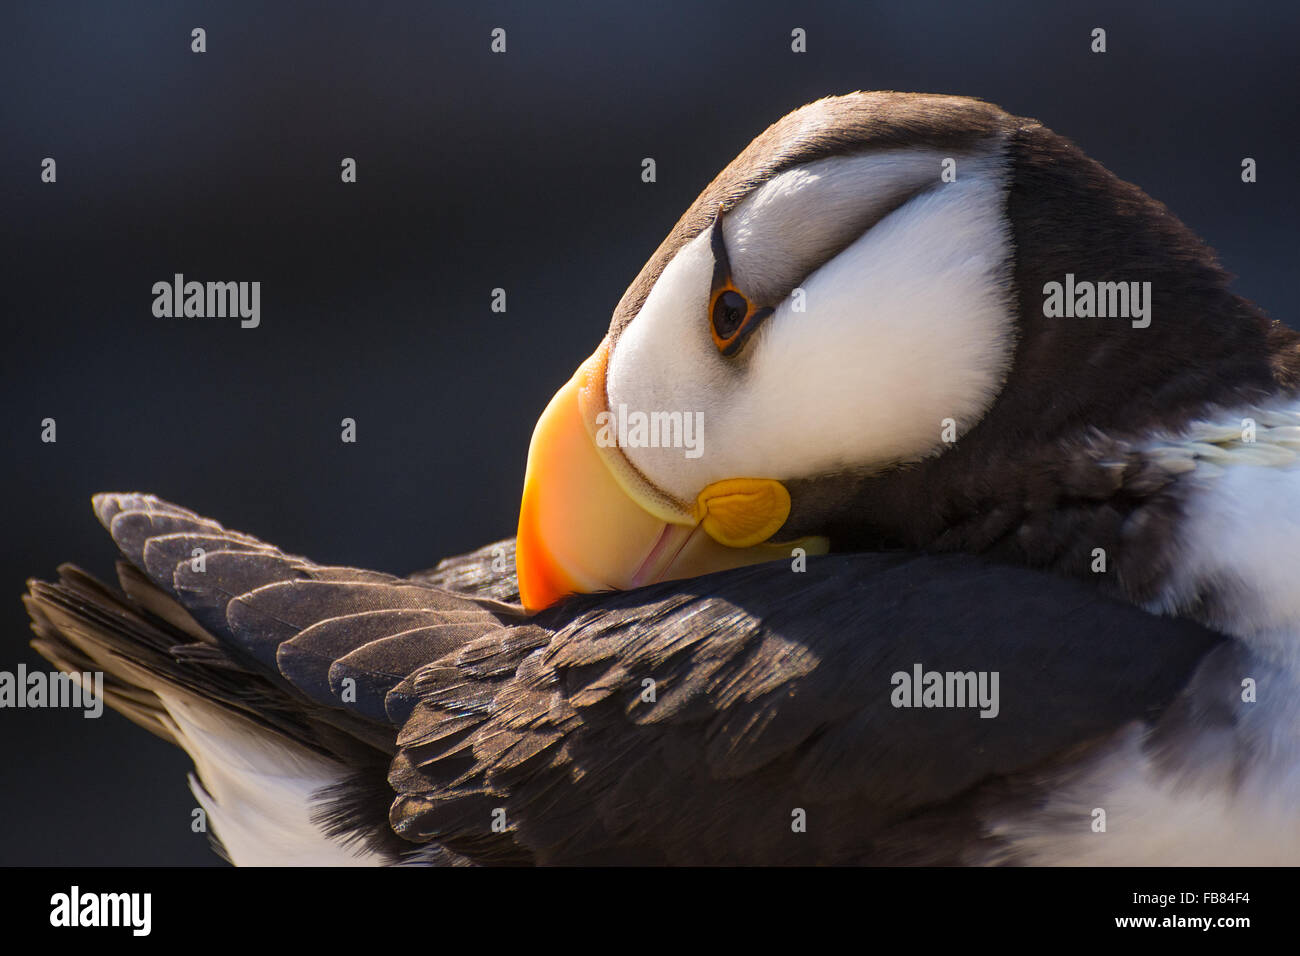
x=475, y=171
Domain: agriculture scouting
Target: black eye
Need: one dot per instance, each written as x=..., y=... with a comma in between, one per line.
x=729, y=311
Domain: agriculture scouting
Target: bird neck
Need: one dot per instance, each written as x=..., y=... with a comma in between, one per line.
x=1164, y=519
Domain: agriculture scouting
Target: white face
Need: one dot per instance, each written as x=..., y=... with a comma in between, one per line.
x=908, y=323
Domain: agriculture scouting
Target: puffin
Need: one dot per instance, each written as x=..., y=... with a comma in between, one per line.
x=930, y=500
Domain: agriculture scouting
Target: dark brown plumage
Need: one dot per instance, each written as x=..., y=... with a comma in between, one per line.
x=765, y=699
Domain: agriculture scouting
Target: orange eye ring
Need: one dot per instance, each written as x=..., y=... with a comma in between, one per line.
x=732, y=318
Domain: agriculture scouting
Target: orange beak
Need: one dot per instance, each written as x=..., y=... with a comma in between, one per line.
x=589, y=521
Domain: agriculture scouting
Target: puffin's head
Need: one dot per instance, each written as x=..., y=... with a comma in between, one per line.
x=841, y=300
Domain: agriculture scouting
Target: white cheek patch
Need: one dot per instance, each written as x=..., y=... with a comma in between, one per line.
x=911, y=324
x=665, y=362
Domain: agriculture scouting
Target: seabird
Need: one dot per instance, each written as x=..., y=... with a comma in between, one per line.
x=943, y=574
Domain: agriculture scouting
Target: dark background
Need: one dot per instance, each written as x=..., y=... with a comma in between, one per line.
x=475, y=171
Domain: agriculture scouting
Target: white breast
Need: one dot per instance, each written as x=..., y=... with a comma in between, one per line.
x=1230, y=792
